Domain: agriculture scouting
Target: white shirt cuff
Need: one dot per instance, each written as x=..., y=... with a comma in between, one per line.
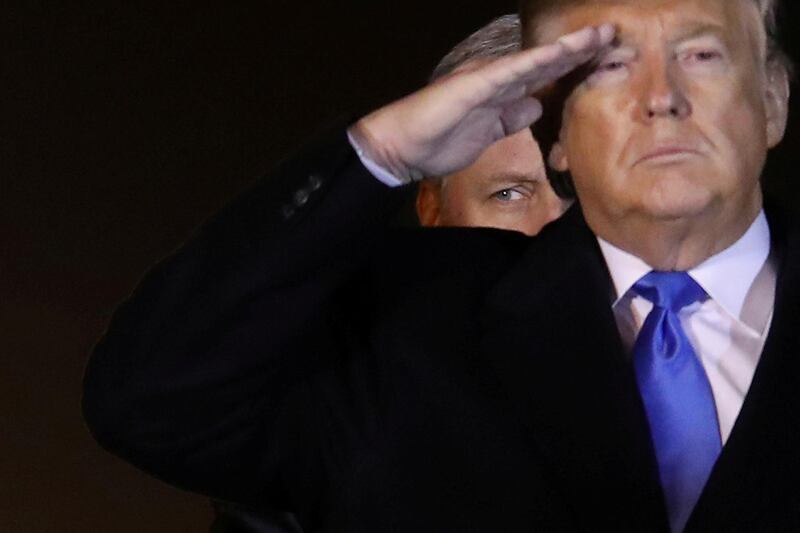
x=380, y=173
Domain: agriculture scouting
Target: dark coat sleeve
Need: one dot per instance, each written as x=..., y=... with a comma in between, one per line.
x=202, y=376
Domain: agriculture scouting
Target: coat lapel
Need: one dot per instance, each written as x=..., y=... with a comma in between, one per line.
x=551, y=337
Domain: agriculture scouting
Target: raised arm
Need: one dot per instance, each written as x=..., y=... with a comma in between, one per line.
x=203, y=377
x=447, y=125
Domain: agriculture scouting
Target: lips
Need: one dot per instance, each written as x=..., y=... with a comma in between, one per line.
x=668, y=153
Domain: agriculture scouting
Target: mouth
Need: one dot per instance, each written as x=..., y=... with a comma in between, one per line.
x=668, y=154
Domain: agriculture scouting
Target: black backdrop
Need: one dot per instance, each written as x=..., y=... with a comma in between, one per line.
x=124, y=127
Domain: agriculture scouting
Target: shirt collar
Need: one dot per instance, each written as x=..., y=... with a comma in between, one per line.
x=726, y=277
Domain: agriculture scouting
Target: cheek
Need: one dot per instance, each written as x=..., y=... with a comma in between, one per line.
x=453, y=201
x=465, y=208
x=737, y=125
x=536, y=219
x=596, y=137
x=454, y=214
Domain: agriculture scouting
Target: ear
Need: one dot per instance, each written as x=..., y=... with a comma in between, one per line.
x=429, y=202
x=557, y=158
x=776, y=103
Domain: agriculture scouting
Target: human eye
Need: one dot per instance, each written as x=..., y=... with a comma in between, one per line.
x=707, y=54
x=508, y=195
x=703, y=55
x=612, y=67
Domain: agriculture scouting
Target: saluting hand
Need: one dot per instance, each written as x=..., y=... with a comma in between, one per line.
x=445, y=126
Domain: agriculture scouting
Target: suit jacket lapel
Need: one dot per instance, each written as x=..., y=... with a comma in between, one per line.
x=755, y=480
x=550, y=335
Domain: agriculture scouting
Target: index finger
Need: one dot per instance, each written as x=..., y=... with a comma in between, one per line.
x=541, y=66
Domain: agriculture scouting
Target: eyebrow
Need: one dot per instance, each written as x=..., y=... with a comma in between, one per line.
x=509, y=178
x=698, y=31
x=625, y=39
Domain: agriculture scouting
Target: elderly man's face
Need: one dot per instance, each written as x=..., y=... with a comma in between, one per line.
x=676, y=119
x=505, y=188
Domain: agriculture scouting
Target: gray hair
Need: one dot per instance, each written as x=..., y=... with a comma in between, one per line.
x=501, y=37
x=776, y=55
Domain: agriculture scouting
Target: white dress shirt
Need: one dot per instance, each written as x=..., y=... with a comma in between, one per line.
x=728, y=330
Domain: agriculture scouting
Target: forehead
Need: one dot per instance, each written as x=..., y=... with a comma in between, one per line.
x=730, y=19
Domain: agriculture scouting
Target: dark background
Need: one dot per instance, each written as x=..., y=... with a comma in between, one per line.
x=124, y=127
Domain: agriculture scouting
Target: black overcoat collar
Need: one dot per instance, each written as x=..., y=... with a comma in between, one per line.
x=551, y=337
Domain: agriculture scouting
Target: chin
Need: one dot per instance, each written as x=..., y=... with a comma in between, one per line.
x=677, y=199
x=674, y=213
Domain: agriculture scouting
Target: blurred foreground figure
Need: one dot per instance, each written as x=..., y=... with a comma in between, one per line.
x=632, y=368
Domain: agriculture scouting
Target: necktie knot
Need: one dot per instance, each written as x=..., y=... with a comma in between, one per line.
x=669, y=290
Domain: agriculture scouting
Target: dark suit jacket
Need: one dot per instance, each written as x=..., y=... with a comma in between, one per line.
x=300, y=355
x=232, y=518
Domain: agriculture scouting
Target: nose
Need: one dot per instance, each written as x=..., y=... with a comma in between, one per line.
x=663, y=95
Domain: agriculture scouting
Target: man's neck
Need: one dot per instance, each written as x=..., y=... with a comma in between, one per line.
x=677, y=244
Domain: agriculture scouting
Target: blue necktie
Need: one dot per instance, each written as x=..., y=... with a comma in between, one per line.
x=676, y=393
